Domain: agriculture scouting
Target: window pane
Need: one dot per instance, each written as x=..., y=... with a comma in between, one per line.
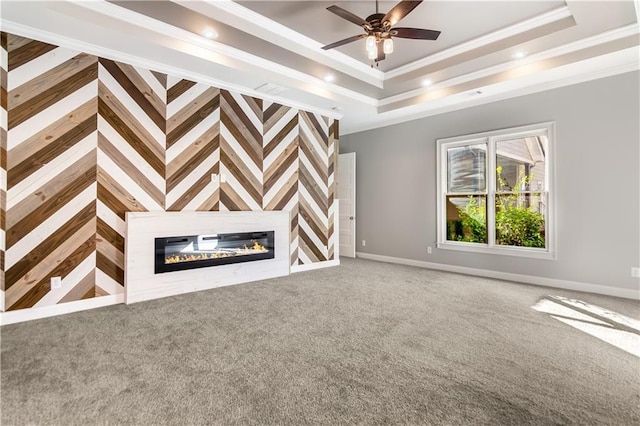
x=467, y=218
x=520, y=219
x=466, y=169
x=521, y=164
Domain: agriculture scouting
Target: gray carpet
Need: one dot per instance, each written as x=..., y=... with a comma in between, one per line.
x=362, y=343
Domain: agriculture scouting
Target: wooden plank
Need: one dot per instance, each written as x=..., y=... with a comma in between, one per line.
x=22, y=50
x=85, y=289
x=47, y=206
x=125, y=76
x=175, y=91
x=50, y=151
x=50, y=134
x=46, y=247
x=49, y=97
x=132, y=171
x=43, y=269
x=62, y=269
x=131, y=130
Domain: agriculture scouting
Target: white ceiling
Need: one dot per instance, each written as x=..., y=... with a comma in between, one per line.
x=279, y=43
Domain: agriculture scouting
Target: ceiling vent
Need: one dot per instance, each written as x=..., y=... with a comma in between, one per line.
x=270, y=89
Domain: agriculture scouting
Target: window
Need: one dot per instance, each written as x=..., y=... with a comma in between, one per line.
x=495, y=192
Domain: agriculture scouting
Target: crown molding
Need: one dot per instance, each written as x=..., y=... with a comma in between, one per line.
x=529, y=24
x=605, y=37
x=607, y=65
x=260, y=26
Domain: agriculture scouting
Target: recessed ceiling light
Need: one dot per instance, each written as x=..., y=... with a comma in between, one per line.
x=519, y=54
x=209, y=33
x=329, y=78
x=336, y=108
x=426, y=82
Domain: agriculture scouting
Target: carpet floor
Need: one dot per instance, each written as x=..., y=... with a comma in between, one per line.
x=363, y=343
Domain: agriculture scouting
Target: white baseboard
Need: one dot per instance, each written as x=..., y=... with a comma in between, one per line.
x=22, y=315
x=507, y=276
x=316, y=265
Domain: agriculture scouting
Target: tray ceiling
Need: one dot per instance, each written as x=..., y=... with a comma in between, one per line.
x=272, y=49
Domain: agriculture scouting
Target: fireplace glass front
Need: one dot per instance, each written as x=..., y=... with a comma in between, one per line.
x=199, y=251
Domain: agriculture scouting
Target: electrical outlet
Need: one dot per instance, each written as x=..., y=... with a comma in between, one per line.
x=364, y=243
x=635, y=272
x=214, y=177
x=429, y=250
x=56, y=282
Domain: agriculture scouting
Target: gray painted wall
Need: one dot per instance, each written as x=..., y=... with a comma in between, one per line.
x=598, y=182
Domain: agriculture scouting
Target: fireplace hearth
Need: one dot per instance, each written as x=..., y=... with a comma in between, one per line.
x=206, y=250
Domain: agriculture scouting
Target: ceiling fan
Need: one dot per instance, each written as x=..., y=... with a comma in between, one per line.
x=379, y=29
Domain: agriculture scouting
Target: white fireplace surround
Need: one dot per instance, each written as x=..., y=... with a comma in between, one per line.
x=141, y=283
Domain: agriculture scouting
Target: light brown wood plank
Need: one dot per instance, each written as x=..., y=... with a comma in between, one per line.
x=291, y=126
x=131, y=130
x=49, y=97
x=119, y=72
x=142, y=87
x=132, y=171
x=46, y=247
x=85, y=289
x=242, y=174
x=114, y=196
x=47, y=205
x=22, y=50
x=194, y=190
x=314, y=222
x=62, y=269
x=279, y=166
x=43, y=268
x=49, y=152
x=193, y=155
x=231, y=200
x=51, y=133
x=191, y=115
x=44, y=82
x=314, y=158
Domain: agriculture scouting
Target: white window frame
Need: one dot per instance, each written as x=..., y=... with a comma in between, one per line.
x=490, y=138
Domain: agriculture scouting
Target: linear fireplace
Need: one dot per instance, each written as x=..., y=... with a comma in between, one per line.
x=199, y=251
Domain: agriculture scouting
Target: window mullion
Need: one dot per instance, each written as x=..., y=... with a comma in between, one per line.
x=491, y=192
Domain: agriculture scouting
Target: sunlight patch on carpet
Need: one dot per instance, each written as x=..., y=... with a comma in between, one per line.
x=611, y=327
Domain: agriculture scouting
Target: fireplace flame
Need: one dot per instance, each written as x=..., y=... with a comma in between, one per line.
x=256, y=248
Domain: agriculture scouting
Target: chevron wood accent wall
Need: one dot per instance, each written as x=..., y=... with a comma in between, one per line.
x=333, y=152
x=87, y=139
x=51, y=173
x=281, y=164
x=241, y=152
x=130, y=161
x=313, y=220
x=3, y=155
x=193, y=146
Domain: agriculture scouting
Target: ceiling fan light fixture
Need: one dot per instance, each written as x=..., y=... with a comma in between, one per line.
x=372, y=54
x=370, y=44
x=387, y=47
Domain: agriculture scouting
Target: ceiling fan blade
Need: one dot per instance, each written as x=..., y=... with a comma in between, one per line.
x=345, y=41
x=399, y=11
x=415, y=33
x=381, y=54
x=345, y=14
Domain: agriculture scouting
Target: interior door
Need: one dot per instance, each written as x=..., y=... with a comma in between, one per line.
x=347, y=205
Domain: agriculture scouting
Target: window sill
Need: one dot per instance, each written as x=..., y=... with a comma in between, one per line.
x=531, y=253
